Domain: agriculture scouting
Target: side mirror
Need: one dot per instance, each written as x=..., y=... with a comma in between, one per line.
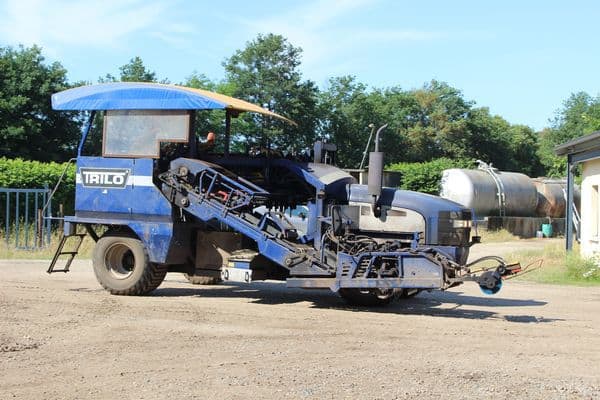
x=475, y=240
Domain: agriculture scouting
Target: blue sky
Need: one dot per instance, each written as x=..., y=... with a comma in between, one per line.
x=521, y=59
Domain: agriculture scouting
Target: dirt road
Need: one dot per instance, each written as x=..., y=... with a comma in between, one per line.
x=62, y=337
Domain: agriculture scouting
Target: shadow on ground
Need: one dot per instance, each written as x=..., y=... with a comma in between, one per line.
x=435, y=303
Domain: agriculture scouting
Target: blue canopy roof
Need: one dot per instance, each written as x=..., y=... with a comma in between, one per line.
x=149, y=96
x=132, y=96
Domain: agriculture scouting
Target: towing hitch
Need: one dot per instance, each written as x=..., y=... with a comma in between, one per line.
x=490, y=282
x=490, y=279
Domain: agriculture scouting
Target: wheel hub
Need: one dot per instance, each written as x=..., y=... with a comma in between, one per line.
x=119, y=261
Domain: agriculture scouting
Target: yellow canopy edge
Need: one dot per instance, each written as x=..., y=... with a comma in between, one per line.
x=237, y=104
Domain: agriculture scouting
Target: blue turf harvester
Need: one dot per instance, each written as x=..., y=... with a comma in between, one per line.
x=166, y=203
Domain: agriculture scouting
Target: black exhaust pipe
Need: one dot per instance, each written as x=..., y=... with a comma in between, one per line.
x=376, y=174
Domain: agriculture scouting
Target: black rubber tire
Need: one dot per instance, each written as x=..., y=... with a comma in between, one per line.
x=405, y=294
x=367, y=298
x=122, y=267
x=202, y=279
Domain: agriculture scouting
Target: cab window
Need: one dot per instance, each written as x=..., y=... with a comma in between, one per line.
x=138, y=133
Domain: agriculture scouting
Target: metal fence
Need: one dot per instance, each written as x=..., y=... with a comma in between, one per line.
x=27, y=224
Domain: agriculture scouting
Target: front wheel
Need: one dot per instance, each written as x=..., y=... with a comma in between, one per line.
x=368, y=297
x=122, y=267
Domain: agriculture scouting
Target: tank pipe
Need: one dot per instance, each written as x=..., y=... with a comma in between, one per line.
x=377, y=136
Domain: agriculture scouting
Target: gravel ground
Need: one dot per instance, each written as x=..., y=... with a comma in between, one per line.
x=62, y=337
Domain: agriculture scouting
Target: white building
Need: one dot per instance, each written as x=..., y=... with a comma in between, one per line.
x=585, y=151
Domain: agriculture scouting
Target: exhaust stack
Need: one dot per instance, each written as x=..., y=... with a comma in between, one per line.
x=376, y=173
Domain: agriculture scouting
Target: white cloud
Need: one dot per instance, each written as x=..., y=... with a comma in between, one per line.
x=319, y=28
x=59, y=23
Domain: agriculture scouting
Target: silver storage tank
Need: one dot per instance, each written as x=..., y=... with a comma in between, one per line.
x=477, y=189
x=551, y=197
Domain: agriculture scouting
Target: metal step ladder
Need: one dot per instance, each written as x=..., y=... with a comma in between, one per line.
x=71, y=254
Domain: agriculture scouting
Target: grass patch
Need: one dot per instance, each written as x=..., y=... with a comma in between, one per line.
x=559, y=267
x=8, y=251
x=498, y=236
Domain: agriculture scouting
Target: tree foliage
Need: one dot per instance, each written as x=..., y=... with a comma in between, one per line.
x=266, y=72
x=579, y=116
x=29, y=128
x=133, y=71
x=210, y=120
x=423, y=124
x=346, y=114
x=22, y=174
x=426, y=176
x=428, y=125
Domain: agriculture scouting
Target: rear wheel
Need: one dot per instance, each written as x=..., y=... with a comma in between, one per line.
x=203, y=279
x=408, y=293
x=122, y=267
x=368, y=297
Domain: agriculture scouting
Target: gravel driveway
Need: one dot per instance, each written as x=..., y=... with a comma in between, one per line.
x=62, y=337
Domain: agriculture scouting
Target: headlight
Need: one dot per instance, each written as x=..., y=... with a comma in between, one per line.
x=454, y=228
x=457, y=223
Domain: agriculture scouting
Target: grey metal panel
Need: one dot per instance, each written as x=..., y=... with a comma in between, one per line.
x=328, y=174
x=391, y=220
x=427, y=205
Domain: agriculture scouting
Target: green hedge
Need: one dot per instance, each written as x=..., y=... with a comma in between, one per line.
x=425, y=177
x=21, y=174
x=16, y=173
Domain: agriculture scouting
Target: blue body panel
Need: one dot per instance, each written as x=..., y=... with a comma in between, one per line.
x=140, y=205
x=425, y=204
x=139, y=196
x=166, y=242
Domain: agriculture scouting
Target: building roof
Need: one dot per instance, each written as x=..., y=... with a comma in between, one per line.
x=150, y=96
x=579, y=145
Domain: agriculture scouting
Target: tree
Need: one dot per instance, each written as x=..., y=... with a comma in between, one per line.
x=266, y=73
x=435, y=122
x=524, y=144
x=348, y=110
x=133, y=71
x=29, y=128
x=136, y=71
x=579, y=116
x=209, y=120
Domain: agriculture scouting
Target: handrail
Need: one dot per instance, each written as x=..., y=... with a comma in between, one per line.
x=56, y=187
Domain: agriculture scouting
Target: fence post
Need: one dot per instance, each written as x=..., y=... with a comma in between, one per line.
x=48, y=213
x=61, y=215
x=26, y=223
x=7, y=233
x=39, y=228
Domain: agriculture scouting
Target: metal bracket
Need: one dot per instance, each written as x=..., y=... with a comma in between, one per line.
x=499, y=185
